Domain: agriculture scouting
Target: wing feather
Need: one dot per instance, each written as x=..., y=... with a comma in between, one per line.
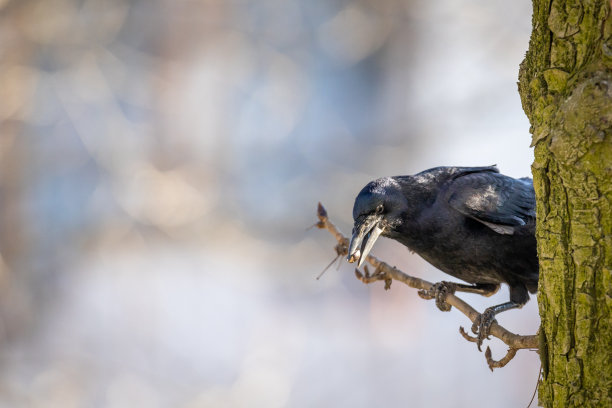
x=500, y=202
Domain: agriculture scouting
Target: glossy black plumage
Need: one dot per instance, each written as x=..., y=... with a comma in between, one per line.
x=470, y=222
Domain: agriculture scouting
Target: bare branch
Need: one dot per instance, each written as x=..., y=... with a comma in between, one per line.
x=385, y=272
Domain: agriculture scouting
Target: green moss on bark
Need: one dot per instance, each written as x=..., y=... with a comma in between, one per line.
x=566, y=89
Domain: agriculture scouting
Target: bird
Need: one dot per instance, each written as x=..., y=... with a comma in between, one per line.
x=472, y=223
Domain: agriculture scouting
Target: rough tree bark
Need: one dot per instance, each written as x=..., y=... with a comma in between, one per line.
x=565, y=84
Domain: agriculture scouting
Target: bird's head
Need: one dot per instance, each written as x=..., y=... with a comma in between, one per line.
x=377, y=211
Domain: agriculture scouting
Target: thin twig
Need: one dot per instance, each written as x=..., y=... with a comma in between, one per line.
x=387, y=273
x=328, y=266
x=536, y=387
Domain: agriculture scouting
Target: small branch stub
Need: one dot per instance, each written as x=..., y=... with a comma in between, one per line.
x=499, y=363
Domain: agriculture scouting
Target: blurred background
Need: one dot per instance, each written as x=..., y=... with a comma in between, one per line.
x=161, y=161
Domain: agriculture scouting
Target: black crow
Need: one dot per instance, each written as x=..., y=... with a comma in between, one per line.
x=470, y=222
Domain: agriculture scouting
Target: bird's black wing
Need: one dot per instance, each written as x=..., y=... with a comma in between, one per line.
x=500, y=202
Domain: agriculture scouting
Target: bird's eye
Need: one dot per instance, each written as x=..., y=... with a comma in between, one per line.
x=379, y=209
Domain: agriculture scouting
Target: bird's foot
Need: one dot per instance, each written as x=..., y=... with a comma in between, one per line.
x=482, y=325
x=439, y=291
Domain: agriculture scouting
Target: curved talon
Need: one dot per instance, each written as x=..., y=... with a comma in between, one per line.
x=467, y=336
x=439, y=291
x=441, y=296
x=425, y=294
x=482, y=325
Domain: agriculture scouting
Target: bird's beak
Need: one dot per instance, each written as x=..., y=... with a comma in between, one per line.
x=366, y=234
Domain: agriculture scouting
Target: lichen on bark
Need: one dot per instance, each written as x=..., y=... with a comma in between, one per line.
x=565, y=84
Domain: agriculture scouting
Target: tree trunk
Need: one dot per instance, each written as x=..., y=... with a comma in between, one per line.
x=565, y=84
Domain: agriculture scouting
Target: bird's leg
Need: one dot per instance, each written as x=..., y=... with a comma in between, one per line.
x=518, y=297
x=484, y=289
x=483, y=322
x=440, y=290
